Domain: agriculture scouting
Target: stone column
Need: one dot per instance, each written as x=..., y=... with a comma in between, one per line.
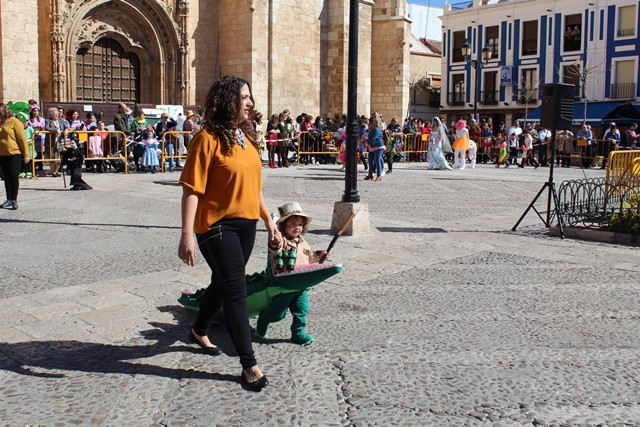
x=19, y=51
x=390, y=59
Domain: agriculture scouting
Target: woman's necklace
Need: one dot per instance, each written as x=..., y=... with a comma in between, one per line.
x=240, y=139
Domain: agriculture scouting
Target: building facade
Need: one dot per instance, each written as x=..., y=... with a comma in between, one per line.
x=294, y=54
x=424, y=84
x=592, y=44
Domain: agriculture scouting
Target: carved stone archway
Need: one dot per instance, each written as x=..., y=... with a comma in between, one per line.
x=144, y=28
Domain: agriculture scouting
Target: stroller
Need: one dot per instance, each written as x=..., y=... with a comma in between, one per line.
x=118, y=164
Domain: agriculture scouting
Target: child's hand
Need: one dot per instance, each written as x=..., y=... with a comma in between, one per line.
x=275, y=239
x=322, y=254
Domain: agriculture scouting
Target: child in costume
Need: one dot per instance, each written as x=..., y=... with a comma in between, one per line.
x=502, y=156
x=460, y=145
x=291, y=251
x=149, y=158
x=29, y=132
x=473, y=148
x=72, y=157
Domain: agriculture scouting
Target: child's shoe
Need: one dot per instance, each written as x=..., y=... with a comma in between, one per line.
x=22, y=175
x=262, y=329
x=302, y=339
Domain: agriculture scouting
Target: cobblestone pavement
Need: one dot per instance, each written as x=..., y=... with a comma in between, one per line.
x=441, y=316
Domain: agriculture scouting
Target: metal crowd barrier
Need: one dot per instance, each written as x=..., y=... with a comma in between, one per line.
x=413, y=147
x=173, y=143
x=574, y=148
x=315, y=144
x=114, y=147
x=623, y=168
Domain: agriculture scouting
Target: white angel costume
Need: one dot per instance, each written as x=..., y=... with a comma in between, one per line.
x=438, y=145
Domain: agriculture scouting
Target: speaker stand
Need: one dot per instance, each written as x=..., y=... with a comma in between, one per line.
x=551, y=195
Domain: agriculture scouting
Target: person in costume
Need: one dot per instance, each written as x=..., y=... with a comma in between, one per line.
x=72, y=157
x=471, y=153
x=149, y=158
x=29, y=132
x=222, y=196
x=287, y=254
x=502, y=151
x=438, y=145
x=460, y=145
x=527, y=148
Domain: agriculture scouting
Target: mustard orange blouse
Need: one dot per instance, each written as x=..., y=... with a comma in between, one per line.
x=227, y=186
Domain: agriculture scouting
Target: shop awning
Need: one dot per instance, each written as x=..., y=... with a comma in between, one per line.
x=596, y=112
x=626, y=113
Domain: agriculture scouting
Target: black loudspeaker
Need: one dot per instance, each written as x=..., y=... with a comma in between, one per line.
x=557, y=106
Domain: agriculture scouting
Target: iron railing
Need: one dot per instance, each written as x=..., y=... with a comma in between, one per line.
x=489, y=97
x=457, y=98
x=622, y=90
x=592, y=201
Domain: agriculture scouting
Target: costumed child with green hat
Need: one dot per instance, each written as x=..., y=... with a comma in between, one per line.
x=25, y=172
x=291, y=251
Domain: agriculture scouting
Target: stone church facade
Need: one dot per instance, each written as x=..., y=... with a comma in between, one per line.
x=294, y=53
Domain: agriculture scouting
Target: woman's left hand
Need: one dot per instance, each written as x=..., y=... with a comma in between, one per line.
x=274, y=233
x=187, y=249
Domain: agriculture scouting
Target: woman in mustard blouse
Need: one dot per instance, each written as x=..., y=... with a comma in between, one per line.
x=13, y=152
x=221, y=203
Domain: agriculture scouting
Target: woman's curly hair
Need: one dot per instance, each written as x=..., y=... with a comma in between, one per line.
x=5, y=113
x=222, y=112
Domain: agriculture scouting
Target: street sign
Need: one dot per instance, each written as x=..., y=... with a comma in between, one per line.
x=506, y=75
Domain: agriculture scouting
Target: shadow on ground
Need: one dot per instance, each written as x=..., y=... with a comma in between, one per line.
x=29, y=358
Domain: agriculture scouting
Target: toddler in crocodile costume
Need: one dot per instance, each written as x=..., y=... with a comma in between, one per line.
x=291, y=251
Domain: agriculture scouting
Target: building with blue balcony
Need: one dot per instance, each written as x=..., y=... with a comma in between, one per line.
x=516, y=46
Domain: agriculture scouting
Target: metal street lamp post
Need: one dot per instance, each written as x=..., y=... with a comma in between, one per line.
x=478, y=65
x=351, y=190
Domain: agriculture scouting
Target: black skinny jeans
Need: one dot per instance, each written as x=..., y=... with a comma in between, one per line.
x=226, y=247
x=11, y=166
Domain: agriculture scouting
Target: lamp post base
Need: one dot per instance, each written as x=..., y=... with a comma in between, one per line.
x=360, y=223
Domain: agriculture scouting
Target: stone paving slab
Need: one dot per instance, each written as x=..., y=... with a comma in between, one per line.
x=441, y=316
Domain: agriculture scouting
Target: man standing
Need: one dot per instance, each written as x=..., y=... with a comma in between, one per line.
x=612, y=139
x=584, y=141
x=632, y=137
x=122, y=123
x=515, y=129
x=544, y=139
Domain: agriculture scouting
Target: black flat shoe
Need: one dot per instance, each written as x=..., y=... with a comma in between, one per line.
x=256, y=385
x=211, y=351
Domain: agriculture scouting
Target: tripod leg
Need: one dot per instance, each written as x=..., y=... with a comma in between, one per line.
x=530, y=206
x=557, y=211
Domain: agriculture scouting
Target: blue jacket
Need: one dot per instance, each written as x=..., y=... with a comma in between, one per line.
x=375, y=138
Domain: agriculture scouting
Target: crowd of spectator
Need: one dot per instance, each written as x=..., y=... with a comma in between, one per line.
x=279, y=137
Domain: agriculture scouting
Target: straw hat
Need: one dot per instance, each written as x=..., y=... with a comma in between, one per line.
x=189, y=113
x=291, y=209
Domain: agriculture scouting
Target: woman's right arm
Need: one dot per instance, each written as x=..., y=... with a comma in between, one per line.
x=187, y=245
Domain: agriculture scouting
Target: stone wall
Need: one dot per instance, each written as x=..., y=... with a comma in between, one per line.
x=364, y=57
x=295, y=54
x=337, y=54
x=18, y=51
x=390, y=72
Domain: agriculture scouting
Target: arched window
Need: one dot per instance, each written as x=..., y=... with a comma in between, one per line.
x=106, y=73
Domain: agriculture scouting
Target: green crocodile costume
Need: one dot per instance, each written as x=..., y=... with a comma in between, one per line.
x=269, y=296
